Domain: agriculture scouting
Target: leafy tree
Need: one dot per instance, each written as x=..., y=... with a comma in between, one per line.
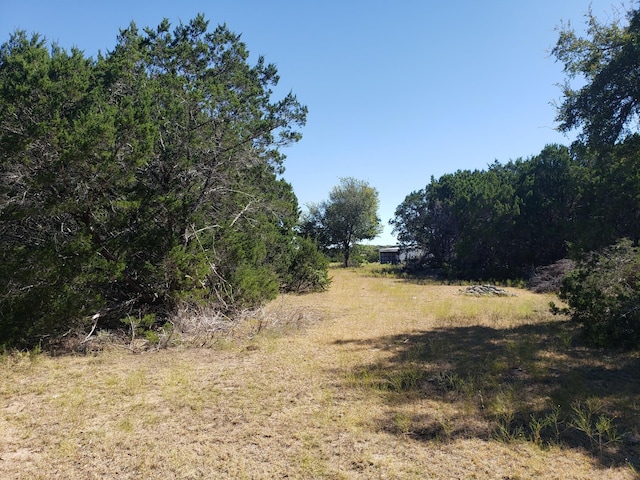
x=607, y=104
x=486, y=207
x=606, y=109
x=607, y=202
x=143, y=178
x=350, y=215
x=461, y=222
x=55, y=134
x=603, y=291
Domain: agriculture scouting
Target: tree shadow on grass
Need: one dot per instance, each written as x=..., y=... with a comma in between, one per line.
x=530, y=383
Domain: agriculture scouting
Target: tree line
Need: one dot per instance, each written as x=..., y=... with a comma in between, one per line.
x=581, y=201
x=508, y=220
x=148, y=177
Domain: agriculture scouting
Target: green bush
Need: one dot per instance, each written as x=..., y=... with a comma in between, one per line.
x=308, y=271
x=603, y=296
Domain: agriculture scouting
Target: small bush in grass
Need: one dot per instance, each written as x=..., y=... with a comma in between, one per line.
x=308, y=271
x=603, y=296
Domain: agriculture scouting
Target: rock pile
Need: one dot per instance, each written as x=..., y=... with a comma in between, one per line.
x=486, y=291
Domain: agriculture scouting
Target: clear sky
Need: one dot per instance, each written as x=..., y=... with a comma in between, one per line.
x=397, y=91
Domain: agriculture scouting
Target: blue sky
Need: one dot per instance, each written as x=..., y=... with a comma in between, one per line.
x=397, y=91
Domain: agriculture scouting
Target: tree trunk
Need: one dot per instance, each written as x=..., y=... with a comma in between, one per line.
x=346, y=255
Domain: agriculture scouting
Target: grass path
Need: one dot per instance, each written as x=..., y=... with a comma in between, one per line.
x=297, y=403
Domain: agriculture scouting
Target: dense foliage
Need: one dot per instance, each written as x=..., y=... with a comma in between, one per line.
x=149, y=176
x=508, y=220
x=350, y=215
x=603, y=295
x=497, y=223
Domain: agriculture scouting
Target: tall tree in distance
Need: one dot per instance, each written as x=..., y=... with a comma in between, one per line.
x=350, y=215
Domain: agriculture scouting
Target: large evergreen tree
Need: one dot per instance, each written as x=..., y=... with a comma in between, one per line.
x=148, y=176
x=547, y=186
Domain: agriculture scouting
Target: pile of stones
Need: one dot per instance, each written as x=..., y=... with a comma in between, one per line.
x=486, y=291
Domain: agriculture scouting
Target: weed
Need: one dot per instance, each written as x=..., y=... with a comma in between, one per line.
x=536, y=427
x=450, y=381
x=546, y=429
x=402, y=421
x=504, y=401
x=446, y=429
x=606, y=432
x=35, y=352
x=408, y=378
x=598, y=428
x=554, y=422
x=582, y=418
x=141, y=326
x=507, y=430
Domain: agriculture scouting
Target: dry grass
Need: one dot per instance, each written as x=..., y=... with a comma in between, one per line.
x=385, y=379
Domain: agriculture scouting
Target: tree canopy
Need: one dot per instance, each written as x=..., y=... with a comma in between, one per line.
x=148, y=176
x=495, y=223
x=348, y=216
x=607, y=104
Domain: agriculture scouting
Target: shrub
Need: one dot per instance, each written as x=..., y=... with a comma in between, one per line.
x=366, y=253
x=308, y=270
x=603, y=296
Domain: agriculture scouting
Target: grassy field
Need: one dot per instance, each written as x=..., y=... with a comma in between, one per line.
x=376, y=378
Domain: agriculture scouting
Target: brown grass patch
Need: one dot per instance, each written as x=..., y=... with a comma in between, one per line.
x=375, y=378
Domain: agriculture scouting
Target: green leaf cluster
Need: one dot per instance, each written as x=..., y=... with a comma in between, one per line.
x=606, y=104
